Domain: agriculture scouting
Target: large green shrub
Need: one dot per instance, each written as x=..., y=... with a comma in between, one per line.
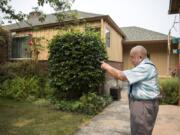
x=74, y=64
x=169, y=89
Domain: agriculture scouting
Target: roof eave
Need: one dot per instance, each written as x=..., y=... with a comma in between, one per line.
x=145, y=42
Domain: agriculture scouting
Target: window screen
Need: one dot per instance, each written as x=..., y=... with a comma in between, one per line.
x=108, y=37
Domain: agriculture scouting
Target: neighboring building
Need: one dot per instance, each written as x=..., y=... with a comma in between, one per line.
x=156, y=45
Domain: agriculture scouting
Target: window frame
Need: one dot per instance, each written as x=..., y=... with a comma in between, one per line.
x=20, y=44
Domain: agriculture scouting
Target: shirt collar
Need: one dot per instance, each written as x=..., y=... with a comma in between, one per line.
x=146, y=60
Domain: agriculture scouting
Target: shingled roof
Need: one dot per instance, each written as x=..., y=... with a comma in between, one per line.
x=140, y=34
x=49, y=19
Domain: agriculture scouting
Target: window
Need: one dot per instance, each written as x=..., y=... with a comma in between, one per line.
x=20, y=47
x=108, y=37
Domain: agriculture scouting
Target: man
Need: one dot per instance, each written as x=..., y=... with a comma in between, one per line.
x=143, y=92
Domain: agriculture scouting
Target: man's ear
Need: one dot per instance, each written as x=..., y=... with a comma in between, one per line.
x=140, y=58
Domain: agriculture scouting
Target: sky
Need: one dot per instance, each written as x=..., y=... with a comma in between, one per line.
x=149, y=14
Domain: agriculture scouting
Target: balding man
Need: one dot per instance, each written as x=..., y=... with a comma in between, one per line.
x=143, y=90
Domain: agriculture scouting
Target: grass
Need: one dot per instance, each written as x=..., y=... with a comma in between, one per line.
x=23, y=118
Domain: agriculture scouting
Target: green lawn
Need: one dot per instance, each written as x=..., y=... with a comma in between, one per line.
x=23, y=118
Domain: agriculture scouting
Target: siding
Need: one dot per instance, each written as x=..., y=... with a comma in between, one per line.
x=115, y=50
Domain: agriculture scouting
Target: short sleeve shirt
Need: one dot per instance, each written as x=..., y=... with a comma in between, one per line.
x=144, y=80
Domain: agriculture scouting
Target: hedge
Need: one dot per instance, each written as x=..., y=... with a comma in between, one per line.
x=74, y=64
x=169, y=89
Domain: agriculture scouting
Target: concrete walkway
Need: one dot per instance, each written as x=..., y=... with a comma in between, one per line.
x=168, y=120
x=114, y=120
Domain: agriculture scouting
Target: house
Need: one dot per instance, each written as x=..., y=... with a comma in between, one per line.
x=157, y=46
x=109, y=31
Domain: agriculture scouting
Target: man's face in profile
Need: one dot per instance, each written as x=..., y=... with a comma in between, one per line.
x=135, y=58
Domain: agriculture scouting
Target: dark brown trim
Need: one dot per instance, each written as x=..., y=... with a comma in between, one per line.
x=174, y=7
x=144, y=42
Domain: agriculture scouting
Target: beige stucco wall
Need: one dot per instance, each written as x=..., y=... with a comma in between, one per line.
x=158, y=54
x=115, y=51
x=49, y=33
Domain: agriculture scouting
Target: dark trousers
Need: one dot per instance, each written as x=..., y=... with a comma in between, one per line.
x=143, y=116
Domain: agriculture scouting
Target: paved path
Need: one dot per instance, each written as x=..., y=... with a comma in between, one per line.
x=114, y=120
x=168, y=120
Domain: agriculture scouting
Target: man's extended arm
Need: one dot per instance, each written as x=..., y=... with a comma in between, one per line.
x=114, y=72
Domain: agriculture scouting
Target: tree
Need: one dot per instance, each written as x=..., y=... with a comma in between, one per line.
x=3, y=37
x=57, y=5
x=3, y=44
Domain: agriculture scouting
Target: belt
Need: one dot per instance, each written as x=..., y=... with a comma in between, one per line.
x=135, y=99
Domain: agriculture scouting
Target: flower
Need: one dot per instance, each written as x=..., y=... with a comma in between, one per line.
x=30, y=34
x=30, y=43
